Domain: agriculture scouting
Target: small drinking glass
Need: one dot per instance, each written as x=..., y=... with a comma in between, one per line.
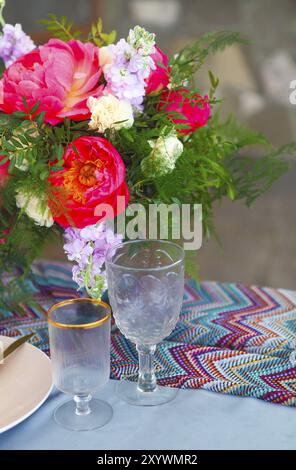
x=79, y=337
x=145, y=288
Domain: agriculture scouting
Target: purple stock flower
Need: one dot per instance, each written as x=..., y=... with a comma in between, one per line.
x=76, y=275
x=14, y=43
x=78, y=251
x=92, y=232
x=127, y=73
x=88, y=248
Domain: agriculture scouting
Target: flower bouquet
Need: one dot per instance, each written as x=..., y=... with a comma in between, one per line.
x=90, y=125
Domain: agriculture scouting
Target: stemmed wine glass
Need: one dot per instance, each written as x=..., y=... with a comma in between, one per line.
x=79, y=337
x=145, y=288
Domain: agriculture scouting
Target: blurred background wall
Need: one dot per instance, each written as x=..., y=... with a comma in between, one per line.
x=258, y=244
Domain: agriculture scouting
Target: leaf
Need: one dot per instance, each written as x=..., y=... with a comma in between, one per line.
x=44, y=174
x=112, y=36
x=4, y=160
x=100, y=38
x=16, y=344
x=212, y=79
x=60, y=152
x=24, y=101
x=108, y=38
x=127, y=135
x=22, y=139
x=60, y=27
x=80, y=125
x=19, y=114
x=15, y=142
x=93, y=30
x=9, y=146
x=40, y=118
x=35, y=107
x=231, y=192
x=75, y=149
x=100, y=25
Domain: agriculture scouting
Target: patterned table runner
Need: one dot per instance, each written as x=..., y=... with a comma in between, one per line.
x=230, y=338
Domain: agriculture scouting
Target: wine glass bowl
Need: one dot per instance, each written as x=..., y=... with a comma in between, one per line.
x=79, y=336
x=145, y=288
x=146, y=307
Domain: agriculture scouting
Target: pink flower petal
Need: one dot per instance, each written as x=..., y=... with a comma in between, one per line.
x=60, y=75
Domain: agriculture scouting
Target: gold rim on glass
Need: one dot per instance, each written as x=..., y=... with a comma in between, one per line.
x=82, y=325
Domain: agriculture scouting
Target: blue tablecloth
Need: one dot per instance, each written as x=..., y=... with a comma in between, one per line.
x=197, y=419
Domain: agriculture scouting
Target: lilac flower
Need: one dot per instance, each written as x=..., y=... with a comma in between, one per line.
x=88, y=247
x=14, y=43
x=76, y=275
x=92, y=232
x=129, y=66
x=78, y=251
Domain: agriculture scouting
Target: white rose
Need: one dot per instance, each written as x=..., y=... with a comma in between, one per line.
x=108, y=112
x=35, y=208
x=170, y=148
x=165, y=152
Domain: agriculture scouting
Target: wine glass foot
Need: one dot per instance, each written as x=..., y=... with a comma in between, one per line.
x=100, y=414
x=129, y=392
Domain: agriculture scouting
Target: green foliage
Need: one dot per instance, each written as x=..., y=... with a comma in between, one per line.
x=30, y=145
x=99, y=37
x=191, y=266
x=60, y=28
x=215, y=163
x=24, y=243
x=191, y=58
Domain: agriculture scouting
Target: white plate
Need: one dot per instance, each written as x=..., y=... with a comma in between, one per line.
x=25, y=383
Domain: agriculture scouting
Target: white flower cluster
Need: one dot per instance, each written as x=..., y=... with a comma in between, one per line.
x=108, y=112
x=35, y=207
x=165, y=152
x=126, y=66
x=142, y=40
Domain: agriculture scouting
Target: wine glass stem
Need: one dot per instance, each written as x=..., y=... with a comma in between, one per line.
x=146, y=379
x=82, y=404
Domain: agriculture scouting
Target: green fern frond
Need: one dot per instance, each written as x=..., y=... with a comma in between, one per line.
x=190, y=59
x=216, y=41
x=239, y=134
x=60, y=28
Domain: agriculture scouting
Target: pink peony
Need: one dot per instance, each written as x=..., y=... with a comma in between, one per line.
x=195, y=109
x=60, y=75
x=93, y=178
x=159, y=77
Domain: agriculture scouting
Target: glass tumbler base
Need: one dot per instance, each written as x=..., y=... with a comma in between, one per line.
x=100, y=414
x=129, y=392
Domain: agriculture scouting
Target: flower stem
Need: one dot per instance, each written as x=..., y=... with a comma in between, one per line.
x=2, y=5
x=87, y=276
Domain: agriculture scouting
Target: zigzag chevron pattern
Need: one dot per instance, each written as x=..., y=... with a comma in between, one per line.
x=230, y=339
